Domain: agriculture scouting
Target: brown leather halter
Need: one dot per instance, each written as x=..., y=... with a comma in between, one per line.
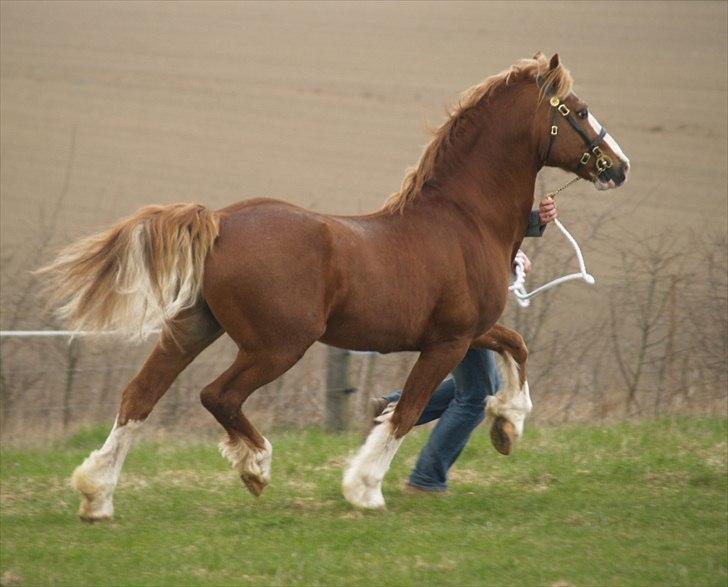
x=592, y=145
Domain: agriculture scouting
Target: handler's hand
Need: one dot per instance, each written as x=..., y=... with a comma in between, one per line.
x=547, y=210
x=526, y=261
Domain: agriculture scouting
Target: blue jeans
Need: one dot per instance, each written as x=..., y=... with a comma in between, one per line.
x=459, y=403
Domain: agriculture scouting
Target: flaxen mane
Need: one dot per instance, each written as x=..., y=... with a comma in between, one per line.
x=559, y=80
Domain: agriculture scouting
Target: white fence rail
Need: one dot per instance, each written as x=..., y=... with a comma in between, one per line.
x=53, y=381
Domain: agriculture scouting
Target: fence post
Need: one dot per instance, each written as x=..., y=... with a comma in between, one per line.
x=72, y=356
x=338, y=389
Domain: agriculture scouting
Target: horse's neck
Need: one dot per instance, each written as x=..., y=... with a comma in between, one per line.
x=494, y=181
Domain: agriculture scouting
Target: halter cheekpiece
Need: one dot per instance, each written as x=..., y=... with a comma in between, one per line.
x=592, y=145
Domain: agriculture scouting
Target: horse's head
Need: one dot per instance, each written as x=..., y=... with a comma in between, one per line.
x=571, y=137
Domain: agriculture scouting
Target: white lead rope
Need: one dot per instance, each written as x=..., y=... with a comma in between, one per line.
x=518, y=287
x=523, y=297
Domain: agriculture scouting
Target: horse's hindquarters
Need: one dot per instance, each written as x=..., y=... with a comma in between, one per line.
x=266, y=278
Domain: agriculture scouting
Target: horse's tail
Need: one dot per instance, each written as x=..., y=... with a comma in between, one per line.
x=135, y=276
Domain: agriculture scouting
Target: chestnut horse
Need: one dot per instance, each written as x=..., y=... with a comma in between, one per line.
x=429, y=272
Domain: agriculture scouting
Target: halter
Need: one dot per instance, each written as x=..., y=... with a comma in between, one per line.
x=592, y=145
x=518, y=287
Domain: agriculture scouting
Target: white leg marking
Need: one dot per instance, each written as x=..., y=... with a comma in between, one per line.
x=96, y=478
x=362, y=483
x=512, y=401
x=247, y=462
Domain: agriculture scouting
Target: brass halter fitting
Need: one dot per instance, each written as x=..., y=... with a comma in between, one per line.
x=603, y=163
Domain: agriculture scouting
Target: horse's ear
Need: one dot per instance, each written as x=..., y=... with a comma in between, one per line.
x=538, y=55
x=554, y=63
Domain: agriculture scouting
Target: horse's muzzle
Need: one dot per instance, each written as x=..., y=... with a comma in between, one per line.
x=612, y=177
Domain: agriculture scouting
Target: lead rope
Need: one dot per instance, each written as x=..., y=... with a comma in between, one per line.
x=518, y=287
x=562, y=188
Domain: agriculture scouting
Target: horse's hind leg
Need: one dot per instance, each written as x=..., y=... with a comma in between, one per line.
x=362, y=483
x=247, y=449
x=507, y=410
x=97, y=476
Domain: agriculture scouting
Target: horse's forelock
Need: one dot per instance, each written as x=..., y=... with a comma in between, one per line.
x=559, y=80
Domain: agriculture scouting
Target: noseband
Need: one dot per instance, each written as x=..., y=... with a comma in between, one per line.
x=592, y=145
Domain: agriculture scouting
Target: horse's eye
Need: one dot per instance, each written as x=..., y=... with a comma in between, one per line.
x=583, y=113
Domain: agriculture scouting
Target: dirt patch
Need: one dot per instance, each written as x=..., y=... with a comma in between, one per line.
x=108, y=106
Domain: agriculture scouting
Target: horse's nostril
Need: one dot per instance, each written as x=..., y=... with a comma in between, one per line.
x=617, y=174
x=620, y=175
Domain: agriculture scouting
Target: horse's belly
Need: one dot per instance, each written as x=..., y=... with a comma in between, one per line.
x=383, y=332
x=397, y=318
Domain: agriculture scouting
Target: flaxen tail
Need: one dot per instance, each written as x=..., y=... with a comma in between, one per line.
x=138, y=274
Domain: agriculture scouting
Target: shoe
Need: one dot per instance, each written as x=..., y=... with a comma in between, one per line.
x=502, y=435
x=415, y=490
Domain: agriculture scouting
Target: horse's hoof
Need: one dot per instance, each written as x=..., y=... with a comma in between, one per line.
x=95, y=511
x=95, y=508
x=503, y=435
x=255, y=486
x=361, y=494
x=88, y=519
x=368, y=500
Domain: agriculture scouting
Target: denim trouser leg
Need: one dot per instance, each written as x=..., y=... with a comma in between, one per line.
x=460, y=405
x=438, y=403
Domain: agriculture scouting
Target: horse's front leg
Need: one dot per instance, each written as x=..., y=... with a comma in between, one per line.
x=507, y=410
x=362, y=484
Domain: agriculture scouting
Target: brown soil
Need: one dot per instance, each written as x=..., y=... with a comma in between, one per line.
x=107, y=106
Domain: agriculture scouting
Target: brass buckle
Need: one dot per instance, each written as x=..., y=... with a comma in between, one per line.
x=554, y=101
x=598, y=152
x=554, y=130
x=564, y=110
x=603, y=163
x=585, y=158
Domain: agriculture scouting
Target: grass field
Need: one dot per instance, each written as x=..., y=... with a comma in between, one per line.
x=628, y=505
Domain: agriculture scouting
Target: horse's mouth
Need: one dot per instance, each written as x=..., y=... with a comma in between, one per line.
x=602, y=185
x=612, y=177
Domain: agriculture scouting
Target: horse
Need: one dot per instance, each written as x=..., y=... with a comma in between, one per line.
x=428, y=272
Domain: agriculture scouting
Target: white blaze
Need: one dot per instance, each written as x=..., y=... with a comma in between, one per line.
x=611, y=143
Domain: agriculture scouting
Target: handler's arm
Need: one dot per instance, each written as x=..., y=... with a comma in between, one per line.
x=538, y=219
x=534, y=228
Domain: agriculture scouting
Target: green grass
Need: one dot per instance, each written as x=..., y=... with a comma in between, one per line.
x=580, y=505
